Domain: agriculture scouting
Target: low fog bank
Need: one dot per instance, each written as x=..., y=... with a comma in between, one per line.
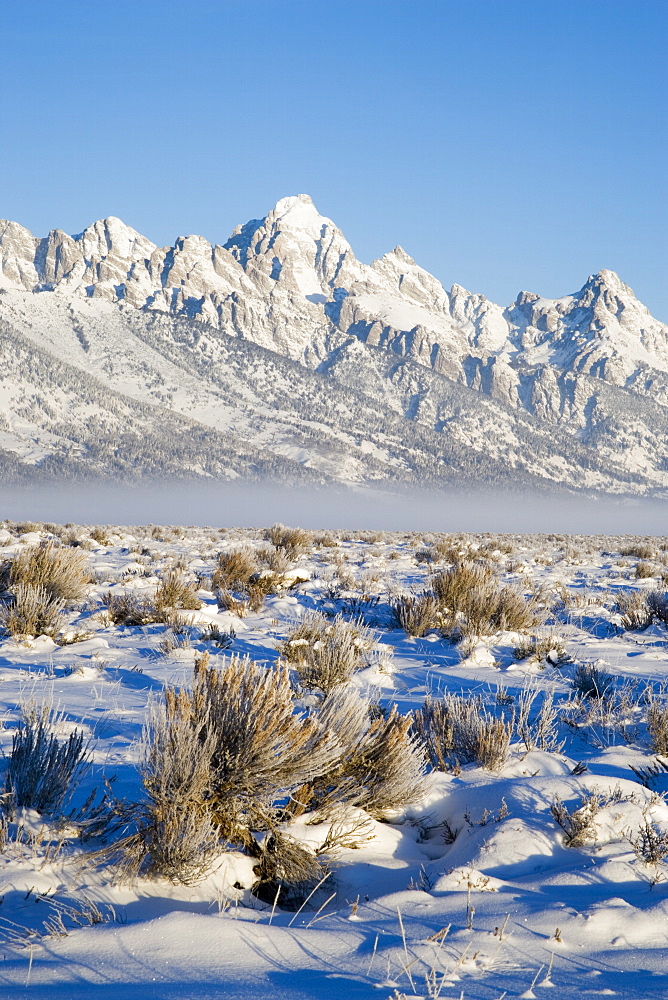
x=256, y=506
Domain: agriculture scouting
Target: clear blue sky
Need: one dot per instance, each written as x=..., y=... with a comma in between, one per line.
x=506, y=144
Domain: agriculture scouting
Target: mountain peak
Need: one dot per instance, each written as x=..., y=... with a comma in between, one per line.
x=113, y=236
x=400, y=254
x=606, y=281
x=285, y=204
x=298, y=212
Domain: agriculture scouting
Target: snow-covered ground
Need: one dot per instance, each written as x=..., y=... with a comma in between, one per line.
x=470, y=892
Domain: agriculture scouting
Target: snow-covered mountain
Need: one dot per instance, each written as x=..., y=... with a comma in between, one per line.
x=280, y=353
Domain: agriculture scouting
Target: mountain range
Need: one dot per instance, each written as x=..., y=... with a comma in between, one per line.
x=280, y=355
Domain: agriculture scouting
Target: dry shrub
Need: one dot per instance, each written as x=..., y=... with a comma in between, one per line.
x=641, y=550
x=234, y=570
x=275, y=560
x=23, y=527
x=452, y=585
x=634, y=608
x=260, y=586
x=657, y=602
x=457, y=730
x=381, y=765
x=657, y=725
x=651, y=844
x=448, y=550
x=217, y=761
x=226, y=601
x=589, y=681
x=579, y=824
x=101, y=535
x=32, y=611
x=262, y=749
x=538, y=648
x=252, y=596
x=287, y=870
x=511, y=611
x=177, y=836
x=496, y=545
x=416, y=614
x=59, y=570
x=213, y=633
x=174, y=641
x=241, y=584
x=325, y=541
x=175, y=591
x=472, y=602
x=130, y=609
x=426, y=555
x=43, y=770
x=326, y=652
x=541, y=732
x=645, y=570
x=292, y=541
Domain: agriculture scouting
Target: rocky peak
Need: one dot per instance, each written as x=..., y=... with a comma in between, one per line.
x=607, y=279
x=399, y=273
x=291, y=282
x=111, y=237
x=297, y=212
x=13, y=233
x=294, y=250
x=399, y=256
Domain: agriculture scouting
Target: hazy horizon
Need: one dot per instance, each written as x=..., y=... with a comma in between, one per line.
x=255, y=505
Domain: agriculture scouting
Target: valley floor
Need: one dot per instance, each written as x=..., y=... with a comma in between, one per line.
x=469, y=892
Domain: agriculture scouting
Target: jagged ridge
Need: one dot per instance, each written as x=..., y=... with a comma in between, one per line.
x=595, y=363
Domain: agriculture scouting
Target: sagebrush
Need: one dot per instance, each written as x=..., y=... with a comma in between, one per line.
x=60, y=571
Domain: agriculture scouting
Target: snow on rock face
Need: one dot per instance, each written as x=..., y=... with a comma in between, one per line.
x=283, y=282
x=298, y=212
x=290, y=283
x=112, y=238
x=17, y=254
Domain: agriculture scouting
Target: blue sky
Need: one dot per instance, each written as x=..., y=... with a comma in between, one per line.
x=506, y=145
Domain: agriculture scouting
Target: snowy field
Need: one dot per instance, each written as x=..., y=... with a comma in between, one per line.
x=543, y=868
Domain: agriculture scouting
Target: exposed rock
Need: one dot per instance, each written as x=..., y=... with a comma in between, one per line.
x=290, y=283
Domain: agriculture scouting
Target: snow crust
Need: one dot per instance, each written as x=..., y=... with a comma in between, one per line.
x=479, y=854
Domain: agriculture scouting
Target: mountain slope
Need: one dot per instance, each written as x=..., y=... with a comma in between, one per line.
x=294, y=355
